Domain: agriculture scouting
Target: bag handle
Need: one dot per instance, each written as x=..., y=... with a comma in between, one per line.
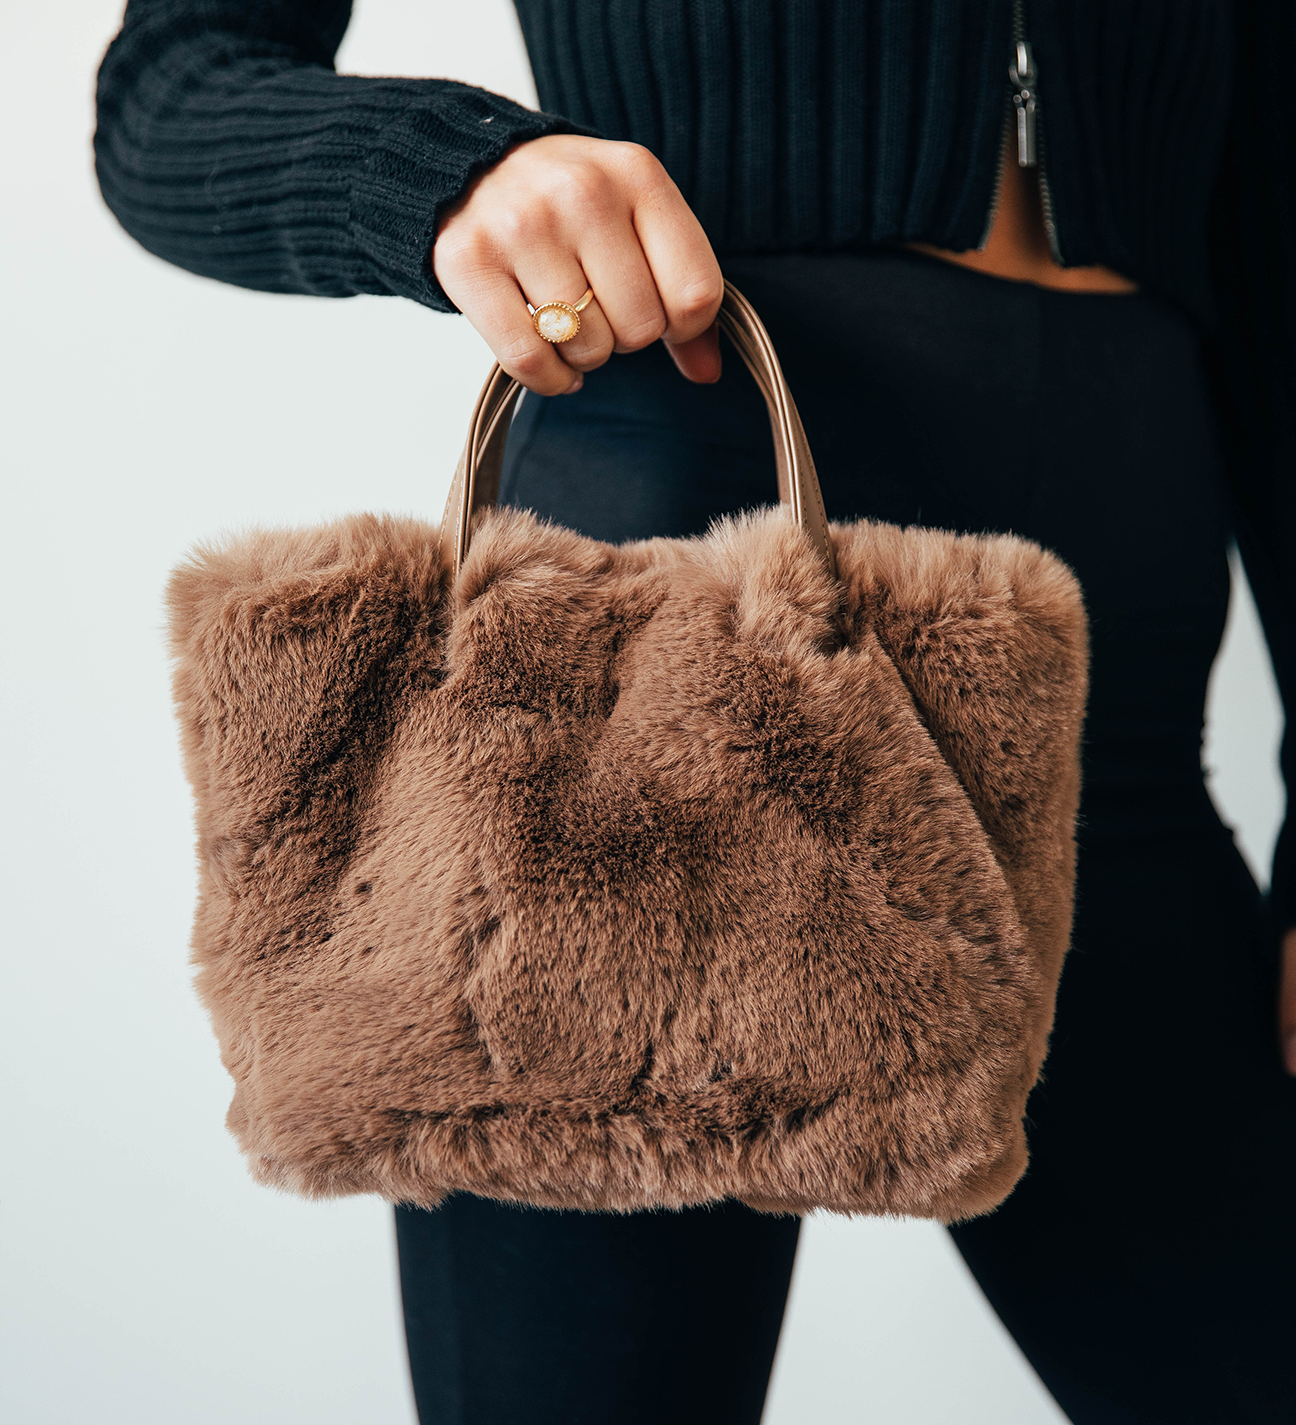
x=476, y=479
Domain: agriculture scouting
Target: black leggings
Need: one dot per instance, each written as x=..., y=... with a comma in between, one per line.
x=1147, y=1263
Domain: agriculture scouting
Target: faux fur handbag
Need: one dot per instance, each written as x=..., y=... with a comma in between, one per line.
x=622, y=876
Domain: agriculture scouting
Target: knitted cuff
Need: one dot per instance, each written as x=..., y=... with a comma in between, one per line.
x=419, y=163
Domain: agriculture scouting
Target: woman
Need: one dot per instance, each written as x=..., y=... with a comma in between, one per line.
x=1094, y=351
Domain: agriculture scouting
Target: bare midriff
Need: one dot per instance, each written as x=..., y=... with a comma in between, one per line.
x=1018, y=247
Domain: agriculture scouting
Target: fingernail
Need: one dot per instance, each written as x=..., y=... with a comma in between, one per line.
x=1289, y=1050
x=575, y=385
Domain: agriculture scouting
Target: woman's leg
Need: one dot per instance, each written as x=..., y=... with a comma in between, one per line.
x=1146, y=1262
x=521, y=1316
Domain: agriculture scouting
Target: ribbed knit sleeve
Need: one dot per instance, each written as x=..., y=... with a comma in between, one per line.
x=227, y=144
x=1254, y=258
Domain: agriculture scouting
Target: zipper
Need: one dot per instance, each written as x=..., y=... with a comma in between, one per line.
x=1025, y=101
x=1024, y=119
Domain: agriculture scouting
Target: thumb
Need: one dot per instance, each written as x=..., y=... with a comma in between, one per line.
x=698, y=359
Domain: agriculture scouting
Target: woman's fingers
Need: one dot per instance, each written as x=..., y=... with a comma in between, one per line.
x=625, y=289
x=493, y=302
x=557, y=277
x=560, y=213
x=1287, y=1001
x=593, y=343
x=602, y=232
x=698, y=359
x=683, y=266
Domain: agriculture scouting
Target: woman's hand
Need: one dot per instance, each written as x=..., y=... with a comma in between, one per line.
x=562, y=213
x=1287, y=1001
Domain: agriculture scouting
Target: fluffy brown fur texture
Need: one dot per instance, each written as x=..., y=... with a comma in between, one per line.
x=618, y=876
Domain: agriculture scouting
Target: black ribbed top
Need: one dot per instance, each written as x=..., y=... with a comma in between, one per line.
x=831, y=124
x=228, y=145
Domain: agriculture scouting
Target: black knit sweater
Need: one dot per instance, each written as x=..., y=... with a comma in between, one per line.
x=228, y=145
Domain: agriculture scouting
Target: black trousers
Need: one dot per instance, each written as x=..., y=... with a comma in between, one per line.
x=1147, y=1262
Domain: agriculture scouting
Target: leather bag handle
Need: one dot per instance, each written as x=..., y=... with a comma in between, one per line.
x=476, y=479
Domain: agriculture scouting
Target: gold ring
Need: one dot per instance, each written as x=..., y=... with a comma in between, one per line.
x=559, y=321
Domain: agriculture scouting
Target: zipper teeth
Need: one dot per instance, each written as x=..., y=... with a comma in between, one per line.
x=996, y=196
x=1046, y=198
x=1045, y=192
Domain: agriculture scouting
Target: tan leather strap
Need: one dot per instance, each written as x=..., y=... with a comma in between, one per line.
x=476, y=480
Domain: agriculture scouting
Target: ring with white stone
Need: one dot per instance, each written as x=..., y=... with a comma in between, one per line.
x=559, y=321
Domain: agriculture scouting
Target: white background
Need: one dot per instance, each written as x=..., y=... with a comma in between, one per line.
x=146, y=1281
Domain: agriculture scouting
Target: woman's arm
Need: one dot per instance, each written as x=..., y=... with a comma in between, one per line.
x=228, y=145
x=1254, y=251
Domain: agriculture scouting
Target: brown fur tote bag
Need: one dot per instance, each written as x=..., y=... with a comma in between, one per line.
x=619, y=876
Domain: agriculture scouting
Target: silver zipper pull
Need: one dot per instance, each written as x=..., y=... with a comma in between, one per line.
x=1022, y=74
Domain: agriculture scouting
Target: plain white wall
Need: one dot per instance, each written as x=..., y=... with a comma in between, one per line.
x=147, y=1281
